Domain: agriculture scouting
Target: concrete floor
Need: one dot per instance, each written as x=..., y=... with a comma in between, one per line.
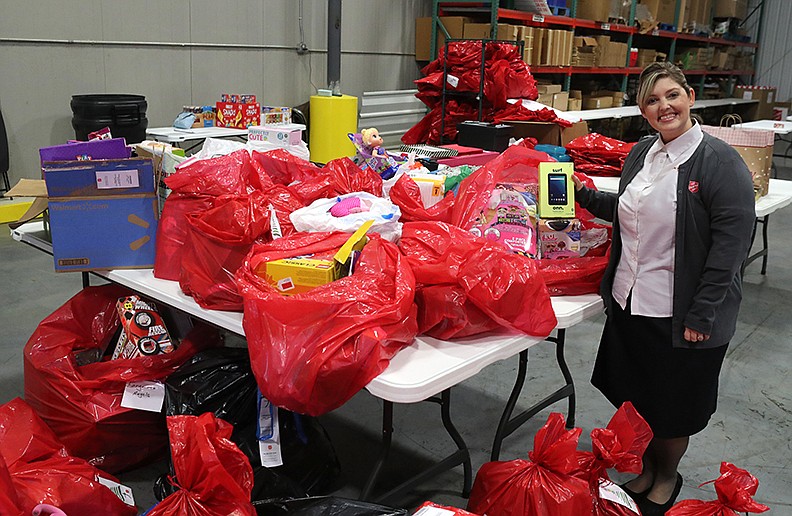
x=750, y=429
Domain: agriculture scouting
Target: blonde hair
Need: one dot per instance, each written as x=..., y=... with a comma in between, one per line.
x=366, y=135
x=653, y=73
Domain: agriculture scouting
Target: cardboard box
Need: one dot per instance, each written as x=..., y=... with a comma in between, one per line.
x=597, y=10
x=251, y=114
x=230, y=114
x=282, y=135
x=292, y=276
x=561, y=100
x=455, y=25
x=548, y=132
x=275, y=115
x=539, y=42
x=781, y=110
x=548, y=88
x=664, y=10
x=699, y=12
x=546, y=99
x=597, y=102
x=764, y=94
x=730, y=9
x=103, y=214
x=477, y=31
x=558, y=238
x=575, y=104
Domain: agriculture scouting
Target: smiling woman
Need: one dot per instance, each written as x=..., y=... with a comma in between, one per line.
x=681, y=230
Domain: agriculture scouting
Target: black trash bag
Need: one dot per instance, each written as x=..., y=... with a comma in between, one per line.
x=220, y=381
x=324, y=506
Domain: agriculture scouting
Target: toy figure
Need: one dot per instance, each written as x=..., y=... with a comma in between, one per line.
x=373, y=140
x=372, y=154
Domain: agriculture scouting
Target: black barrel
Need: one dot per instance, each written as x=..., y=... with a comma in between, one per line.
x=124, y=114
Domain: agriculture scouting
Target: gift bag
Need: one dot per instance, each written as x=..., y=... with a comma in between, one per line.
x=754, y=145
x=35, y=468
x=735, y=487
x=313, y=351
x=82, y=403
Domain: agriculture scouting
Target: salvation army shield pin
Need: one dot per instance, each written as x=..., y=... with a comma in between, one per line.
x=693, y=186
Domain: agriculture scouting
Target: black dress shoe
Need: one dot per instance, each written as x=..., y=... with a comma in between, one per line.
x=635, y=495
x=650, y=508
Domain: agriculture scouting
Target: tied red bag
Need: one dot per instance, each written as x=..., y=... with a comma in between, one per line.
x=542, y=485
x=217, y=242
x=467, y=283
x=193, y=189
x=312, y=352
x=35, y=468
x=736, y=489
x=213, y=476
x=621, y=446
x=82, y=404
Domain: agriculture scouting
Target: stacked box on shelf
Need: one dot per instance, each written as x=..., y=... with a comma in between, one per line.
x=664, y=11
x=528, y=44
x=597, y=10
x=555, y=48
x=575, y=102
x=455, y=25
x=730, y=9
x=585, y=52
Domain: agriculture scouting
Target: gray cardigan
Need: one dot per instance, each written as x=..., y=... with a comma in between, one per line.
x=714, y=221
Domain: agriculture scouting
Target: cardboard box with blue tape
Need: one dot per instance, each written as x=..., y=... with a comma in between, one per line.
x=103, y=214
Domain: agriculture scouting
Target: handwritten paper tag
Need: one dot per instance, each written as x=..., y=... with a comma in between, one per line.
x=610, y=491
x=123, y=492
x=144, y=395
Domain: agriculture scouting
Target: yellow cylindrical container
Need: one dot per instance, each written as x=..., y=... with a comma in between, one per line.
x=331, y=119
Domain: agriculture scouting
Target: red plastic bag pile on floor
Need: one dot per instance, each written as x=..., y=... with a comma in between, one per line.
x=506, y=76
x=35, y=468
x=598, y=155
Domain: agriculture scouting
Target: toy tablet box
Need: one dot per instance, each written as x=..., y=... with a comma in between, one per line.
x=143, y=331
x=558, y=238
x=282, y=135
x=510, y=218
x=103, y=214
x=556, y=190
x=292, y=276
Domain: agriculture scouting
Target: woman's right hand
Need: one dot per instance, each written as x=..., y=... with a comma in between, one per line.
x=578, y=183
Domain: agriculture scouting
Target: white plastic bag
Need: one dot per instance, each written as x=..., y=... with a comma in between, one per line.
x=317, y=217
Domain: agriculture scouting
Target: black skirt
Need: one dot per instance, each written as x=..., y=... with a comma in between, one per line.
x=674, y=389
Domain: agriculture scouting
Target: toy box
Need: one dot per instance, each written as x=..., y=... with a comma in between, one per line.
x=103, y=214
x=275, y=115
x=229, y=114
x=292, y=276
x=432, y=187
x=558, y=238
x=282, y=135
x=556, y=190
x=143, y=331
x=510, y=218
x=251, y=114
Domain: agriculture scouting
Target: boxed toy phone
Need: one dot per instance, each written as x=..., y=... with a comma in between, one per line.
x=143, y=331
x=558, y=238
x=510, y=218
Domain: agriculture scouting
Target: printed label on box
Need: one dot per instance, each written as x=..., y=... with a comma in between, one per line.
x=117, y=179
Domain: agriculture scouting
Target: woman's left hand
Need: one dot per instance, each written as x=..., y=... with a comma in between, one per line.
x=695, y=336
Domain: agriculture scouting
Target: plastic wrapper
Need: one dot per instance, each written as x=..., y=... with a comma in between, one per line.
x=313, y=351
x=221, y=381
x=620, y=446
x=284, y=168
x=735, y=488
x=407, y=196
x=35, y=468
x=324, y=506
x=193, y=188
x=433, y=509
x=471, y=272
x=213, y=476
x=317, y=216
x=542, y=485
x=82, y=404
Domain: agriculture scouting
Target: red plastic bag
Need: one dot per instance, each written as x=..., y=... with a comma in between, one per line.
x=312, y=352
x=283, y=167
x=193, y=188
x=598, y=155
x=445, y=312
x=214, y=477
x=542, y=485
x=504, y=286
x=736, y=489
x=217, y=242
x=82, y=404
x=621, y=446
x=35, y=468
x=406, y=194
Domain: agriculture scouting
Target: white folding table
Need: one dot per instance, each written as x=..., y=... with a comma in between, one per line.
x=426, y=370
x=778, y=196
x=193, y=137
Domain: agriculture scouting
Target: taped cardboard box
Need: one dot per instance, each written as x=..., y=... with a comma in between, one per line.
x=548, y=132
x=597, y=10
x=455, y=25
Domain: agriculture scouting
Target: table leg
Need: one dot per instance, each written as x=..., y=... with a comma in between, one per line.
x=765, y=251
x=460, y=456
x=86, y=279
x=509, y=424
